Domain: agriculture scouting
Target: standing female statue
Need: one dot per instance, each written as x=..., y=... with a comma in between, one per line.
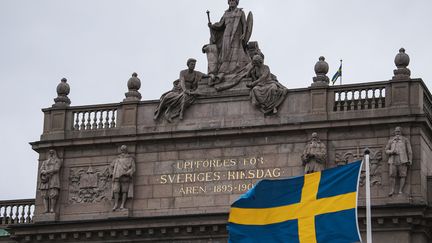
x=231, y=35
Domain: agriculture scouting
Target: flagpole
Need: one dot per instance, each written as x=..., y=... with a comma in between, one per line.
x=368, y=199
x=341, y=72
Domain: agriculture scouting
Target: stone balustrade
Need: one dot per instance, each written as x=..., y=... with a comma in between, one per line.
x=359, y=97
x=94, y=118
x=313, y=104
x=16, y=211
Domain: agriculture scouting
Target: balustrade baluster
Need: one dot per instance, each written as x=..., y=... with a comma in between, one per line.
x=94, y=123
x=29, y=217
x=82, y=125
x=30, y=213
x=106, y=125
x=3, y=214
x=9, y=216
x=113, y=118
x=12, y=219
x=366, y=103
x=345, y=101
x=357, y=100
x=16, y=218
x=352, y=103
x=25, y=215
x=88, y=122
x=373, y=106
x=76, y=115
x=335, y=104
x=100, y=124
x=22, y=214
x=380, y=105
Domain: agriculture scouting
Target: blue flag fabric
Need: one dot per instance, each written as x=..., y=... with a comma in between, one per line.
x=337, y=74
x=315, y=208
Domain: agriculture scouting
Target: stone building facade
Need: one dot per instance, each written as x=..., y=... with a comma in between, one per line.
x=175, y=175
x=189, y=172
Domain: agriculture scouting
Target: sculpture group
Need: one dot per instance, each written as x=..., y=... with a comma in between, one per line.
x=232, y=59
x=122, y=168
x=398, y=149
x=121, y=172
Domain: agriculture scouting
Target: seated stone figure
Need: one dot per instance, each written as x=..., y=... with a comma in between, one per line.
x=173, y=103
x=266, y=92
x=170, y=103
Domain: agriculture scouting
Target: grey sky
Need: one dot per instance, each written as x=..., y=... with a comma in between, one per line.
x=97, y=45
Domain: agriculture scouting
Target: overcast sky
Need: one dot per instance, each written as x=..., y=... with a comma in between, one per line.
x=98, y=44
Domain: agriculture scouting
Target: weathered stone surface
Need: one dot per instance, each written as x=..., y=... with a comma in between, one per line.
x=122, y=170
x=134, y=84
x=49, y=184
x=188, y=172
x=62, y=100
x=174, y=103
x=230, y=35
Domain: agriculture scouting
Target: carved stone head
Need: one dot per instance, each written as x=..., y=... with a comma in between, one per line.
x=52, y=153
x=315, y=136
x=257, y=60
x=124, y=149
x=191, y=63
x=233, y=3
x=398, y=131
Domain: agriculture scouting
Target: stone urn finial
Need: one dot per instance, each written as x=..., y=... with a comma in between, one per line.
x=321, y=70
x=402, y=61
x=134, y=84
x=62, y=99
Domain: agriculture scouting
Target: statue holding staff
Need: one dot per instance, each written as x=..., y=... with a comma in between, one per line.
x=230, y=36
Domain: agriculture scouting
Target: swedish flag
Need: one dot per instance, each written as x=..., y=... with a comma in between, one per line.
x=315, y=208
x=337, y=74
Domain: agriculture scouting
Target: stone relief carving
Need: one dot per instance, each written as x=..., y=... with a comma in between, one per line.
x=375, y=166
x=89, y=184
x=266, y=92
x=375, y=162
x=343, y=158
x=314, y=155
x=122, y=170
x=49, y=181
x=399, y=151
x=174, y=103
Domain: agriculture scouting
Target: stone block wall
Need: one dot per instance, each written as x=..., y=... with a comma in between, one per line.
x=224, y=145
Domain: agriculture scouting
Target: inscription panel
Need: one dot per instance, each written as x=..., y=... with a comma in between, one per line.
x=218, y=175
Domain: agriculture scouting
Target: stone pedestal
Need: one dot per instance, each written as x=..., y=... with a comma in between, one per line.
x=46, y=217
x=120, y=213
x=398, y=199
x=239, y=89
